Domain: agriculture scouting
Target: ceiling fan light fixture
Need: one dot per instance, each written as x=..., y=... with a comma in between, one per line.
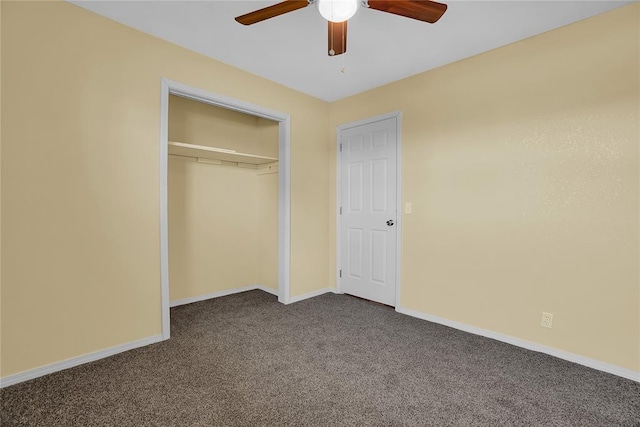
x=337, y=10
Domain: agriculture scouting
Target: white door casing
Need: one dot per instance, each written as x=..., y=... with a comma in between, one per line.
x=368, y=204
x=168, y=87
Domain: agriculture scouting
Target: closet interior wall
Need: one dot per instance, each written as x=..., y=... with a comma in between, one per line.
x=223, y=218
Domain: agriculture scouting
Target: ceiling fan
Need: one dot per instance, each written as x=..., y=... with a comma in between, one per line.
x=337, y=12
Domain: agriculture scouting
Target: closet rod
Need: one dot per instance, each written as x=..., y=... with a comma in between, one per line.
x=217, y=162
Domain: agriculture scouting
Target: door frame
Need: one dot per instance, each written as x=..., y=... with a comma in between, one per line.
x=170, y=87
x=341, y=128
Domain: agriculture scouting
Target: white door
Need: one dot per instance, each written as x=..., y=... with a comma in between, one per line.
x=368, y=205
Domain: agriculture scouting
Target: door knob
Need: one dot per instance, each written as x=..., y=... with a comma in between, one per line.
x=390, y=222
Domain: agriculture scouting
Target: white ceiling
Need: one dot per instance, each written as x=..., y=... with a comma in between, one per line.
x=291, y=49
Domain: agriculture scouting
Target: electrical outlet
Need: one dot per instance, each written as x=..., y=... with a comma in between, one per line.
x=547, y=320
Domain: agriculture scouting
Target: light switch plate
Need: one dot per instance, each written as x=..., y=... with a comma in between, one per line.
x=408, y=208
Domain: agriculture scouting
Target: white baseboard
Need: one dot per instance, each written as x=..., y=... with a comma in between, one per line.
x=75, y=361
x=91, y=357
x=561, y=354
x=267, y=289
x=309, y=295
x=222, y=294
x=249, y=288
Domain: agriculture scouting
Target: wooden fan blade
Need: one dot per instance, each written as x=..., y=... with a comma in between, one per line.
x=337, y=38
x=272, y=11
x=422, y=10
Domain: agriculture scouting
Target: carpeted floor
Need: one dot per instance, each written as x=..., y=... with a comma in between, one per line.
x=332, y=360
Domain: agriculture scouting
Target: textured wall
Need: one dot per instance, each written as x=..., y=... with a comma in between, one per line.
x=212, y=228
x=522, y=167
x=218, y=235
x=197, y=123
x=80, y=221
x=267, y=234
x=521, y=164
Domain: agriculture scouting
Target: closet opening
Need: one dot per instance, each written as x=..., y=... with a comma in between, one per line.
x=224, y=198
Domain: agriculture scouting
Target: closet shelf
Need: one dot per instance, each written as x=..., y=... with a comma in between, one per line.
x=214, y=153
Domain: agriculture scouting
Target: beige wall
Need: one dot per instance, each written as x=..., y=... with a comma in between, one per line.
x=521, y=164
x=267, y=233
x=80, y=190
x=0, y=187
x=212, y=228
x=522, y=167
x=218, y=214
x=197, y=123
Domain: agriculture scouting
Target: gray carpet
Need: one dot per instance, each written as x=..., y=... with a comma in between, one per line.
x=332, y=360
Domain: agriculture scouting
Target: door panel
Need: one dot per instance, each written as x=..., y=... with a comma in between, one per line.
x=368, y=199
x=379, y=182
x=355, y=179
x=379, y=250
x=354, y=244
